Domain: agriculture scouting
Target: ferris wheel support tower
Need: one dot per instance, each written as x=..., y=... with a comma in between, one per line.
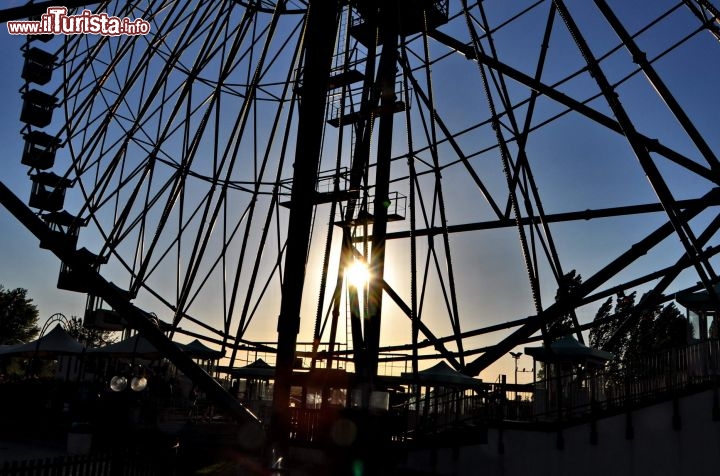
x=319, y=39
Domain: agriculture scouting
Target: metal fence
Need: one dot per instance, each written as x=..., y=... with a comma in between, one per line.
x=84, y=465
x=576, y=393
x=644, y=379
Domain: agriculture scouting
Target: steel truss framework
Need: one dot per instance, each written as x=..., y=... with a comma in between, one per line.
x=227, y=169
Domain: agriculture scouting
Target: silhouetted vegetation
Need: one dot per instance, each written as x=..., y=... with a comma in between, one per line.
x=18, y=317
x=91, y=338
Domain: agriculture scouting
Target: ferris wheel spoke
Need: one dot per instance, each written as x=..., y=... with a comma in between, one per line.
x=530, y=193
x=97, y=82
x=201, y=242
x=434, y=121
x=419, y=93
x=707, y=13
x=551, y=312
x=659, y=85
x=573, y=104
x=513, y=206
x=188, y=156
x=660, y=187
x=275, y=128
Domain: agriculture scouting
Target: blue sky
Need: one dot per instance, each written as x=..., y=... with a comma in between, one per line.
x=577, y=164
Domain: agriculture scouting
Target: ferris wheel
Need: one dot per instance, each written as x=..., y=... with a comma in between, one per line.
x=244, y=159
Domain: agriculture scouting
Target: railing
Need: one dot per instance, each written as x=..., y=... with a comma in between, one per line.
x=435, y=7
x=444, y=409
x=93, y=464
x=642, y=380
x=306, y=425
x=571, y=396
x=348, y=103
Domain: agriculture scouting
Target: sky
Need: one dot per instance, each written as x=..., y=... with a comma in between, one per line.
x=576, y=164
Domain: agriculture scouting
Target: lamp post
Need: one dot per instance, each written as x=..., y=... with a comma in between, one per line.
x=516, y=356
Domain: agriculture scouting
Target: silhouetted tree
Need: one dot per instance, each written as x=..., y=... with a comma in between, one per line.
x=600, y=333
x=641, y=336
x=89, y=337
x=18, y=316
x=670, y=329
x=624, y=304
x=657, y=328
x=568, y=286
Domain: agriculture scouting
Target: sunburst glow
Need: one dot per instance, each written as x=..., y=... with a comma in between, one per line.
x=357, y=274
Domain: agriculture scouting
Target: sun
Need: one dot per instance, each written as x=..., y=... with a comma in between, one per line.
x=357, y=274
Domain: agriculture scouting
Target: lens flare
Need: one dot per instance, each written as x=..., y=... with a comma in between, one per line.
x=357, y=274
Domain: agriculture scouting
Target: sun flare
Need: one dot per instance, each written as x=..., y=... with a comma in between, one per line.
x=357, y=274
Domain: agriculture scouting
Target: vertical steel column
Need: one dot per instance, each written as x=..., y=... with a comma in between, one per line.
x=386, y=85
x=318, y=46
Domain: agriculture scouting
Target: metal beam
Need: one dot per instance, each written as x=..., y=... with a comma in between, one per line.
x=637, y=250
x=683, y=230
x=438, y=341
x=650, y=297
x=652, y=145
x=554, y=218
x=640, y=58
x=711, y=24
x=422, y=327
